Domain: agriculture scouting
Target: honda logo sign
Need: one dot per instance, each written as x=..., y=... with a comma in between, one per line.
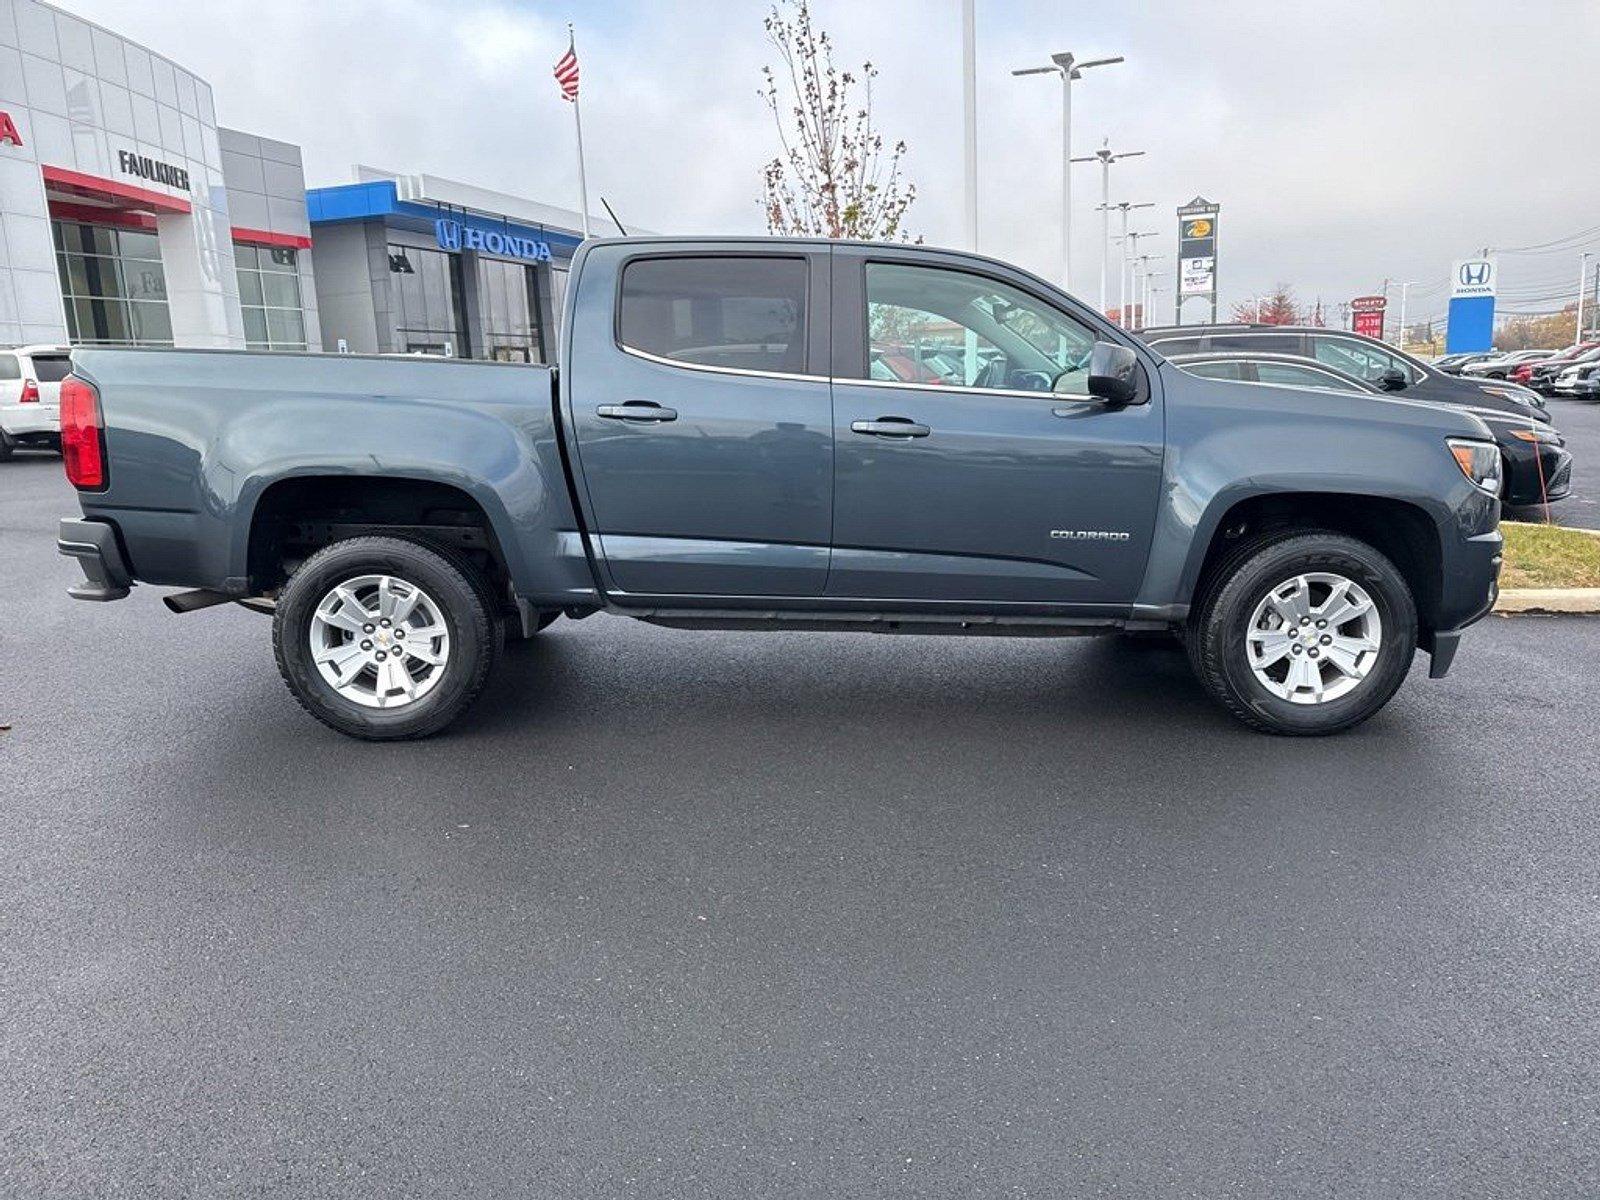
x=1473, y=277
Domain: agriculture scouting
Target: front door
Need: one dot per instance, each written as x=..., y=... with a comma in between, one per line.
x=960, y=475
x=704, y=427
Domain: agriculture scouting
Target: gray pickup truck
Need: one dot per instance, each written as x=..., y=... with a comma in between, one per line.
x=777, y=434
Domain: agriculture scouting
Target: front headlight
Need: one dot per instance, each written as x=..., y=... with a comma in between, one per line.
x=1547, y=437
x=1479, y=462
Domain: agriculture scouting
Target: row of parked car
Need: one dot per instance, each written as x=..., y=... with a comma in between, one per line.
x=1573, y=372
x=1538, y=465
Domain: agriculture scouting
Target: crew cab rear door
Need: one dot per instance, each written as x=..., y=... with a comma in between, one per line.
x=696, y=383
x=959, y=475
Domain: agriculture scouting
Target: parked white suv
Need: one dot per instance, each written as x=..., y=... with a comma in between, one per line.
x=30, y=396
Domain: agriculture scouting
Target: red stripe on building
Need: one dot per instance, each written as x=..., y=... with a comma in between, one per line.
x=65, y=210
x=110, y=189
x=263, y=237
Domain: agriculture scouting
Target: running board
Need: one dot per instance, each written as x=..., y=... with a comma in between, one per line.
x=885, y=622
x=194, y=601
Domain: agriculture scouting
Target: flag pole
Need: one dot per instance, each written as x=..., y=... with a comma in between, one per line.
x=577, y=121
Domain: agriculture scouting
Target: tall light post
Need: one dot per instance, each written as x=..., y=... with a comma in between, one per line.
x=1146, y=275
x=1125, y=207
x=1583, y=275
x=1069, y=69
x=1400, y=339
x=1131, y=258
x=969, y=115
x=1105, y=157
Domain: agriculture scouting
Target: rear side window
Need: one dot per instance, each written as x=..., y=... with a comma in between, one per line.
x=1214, y=370
x=51, y=368
x=1298, y=376
x=717, y=311
x=1261, y=343
x=1177, y=345
x=9, y=368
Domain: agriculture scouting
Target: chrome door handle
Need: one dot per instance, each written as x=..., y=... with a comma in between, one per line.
x=890, y=427
x=642, y=412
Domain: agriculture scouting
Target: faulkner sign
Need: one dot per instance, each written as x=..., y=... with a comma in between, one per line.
x=8, y=131
x=142, y=166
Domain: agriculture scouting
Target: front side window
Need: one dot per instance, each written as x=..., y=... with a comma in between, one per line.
x=744, y=313
x=1298, y=376
x=269, y=297
x=929, y=325
x=1363, y=360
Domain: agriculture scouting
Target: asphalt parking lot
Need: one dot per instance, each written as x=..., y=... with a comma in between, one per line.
x=685, y=914
x=1579, y=423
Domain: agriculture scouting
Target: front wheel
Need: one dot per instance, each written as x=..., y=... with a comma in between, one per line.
x=1303, y=634
x=382, y=638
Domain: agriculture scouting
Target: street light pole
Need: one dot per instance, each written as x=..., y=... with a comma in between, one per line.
x=1583, y=275
x=969, y=115
x=1122, y=273
x=1105, y=157
x=1400, y=341
x=1069, y=69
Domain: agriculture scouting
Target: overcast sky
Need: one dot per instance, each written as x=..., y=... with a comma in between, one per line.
x=1346, y=142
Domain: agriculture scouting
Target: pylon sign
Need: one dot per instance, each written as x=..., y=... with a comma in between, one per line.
x=1472, y=288
x=1197, y=253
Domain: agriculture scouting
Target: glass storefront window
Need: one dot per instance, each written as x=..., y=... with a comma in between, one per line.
x=269, y=297
x=426, y=291
x=113, y=284
x=508, y=306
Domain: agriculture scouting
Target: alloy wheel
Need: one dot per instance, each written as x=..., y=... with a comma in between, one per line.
x=1314, y=638
x=379, y=641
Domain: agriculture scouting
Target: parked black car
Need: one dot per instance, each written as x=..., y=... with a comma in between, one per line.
x=1367, y=359
x=1538, y=463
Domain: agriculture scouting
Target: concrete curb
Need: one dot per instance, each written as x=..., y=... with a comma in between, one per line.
x=1548, y=600
x=1569, y=528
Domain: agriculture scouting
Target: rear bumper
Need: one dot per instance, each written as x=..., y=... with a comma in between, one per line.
x=29, y=420
x=94, y=545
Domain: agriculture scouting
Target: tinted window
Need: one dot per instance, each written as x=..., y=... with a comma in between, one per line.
x=1214, y=370
x=746, y=313
x=9, y=368
x=1177, y=345
x=935, y=326
x=1296, y=376
x=51, y=368
x=1362, y=359
x=1261, y=343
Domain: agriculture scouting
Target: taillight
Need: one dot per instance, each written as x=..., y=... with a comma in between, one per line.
x=30, y=392
x=83, y=443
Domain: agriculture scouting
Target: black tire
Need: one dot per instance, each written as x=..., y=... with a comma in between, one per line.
x=1218, y=625
x=465, y=605
x=6, y=446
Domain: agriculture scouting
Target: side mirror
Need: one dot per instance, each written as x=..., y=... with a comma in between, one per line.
x=1393, y=380
x=1113, y=373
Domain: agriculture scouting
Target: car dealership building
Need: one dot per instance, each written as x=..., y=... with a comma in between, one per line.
x=129, y=217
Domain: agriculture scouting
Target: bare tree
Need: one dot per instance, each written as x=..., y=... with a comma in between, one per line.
x=834, y=176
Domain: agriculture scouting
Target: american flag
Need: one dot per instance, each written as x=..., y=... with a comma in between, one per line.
x=567, y=73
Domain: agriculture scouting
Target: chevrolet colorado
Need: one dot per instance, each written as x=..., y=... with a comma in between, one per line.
x=781, y=434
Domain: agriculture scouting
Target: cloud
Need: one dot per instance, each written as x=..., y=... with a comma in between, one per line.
x=1346, y=143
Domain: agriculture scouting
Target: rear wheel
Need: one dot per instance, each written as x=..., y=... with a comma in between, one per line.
x=383, y=638
x=1305, y=633
x=6, y=446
